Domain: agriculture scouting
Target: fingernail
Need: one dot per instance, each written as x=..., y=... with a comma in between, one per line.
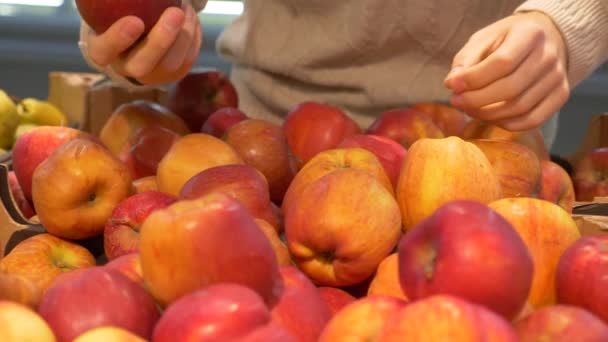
x=131, y=31
x=458, y=85
x=456, y=100
x=174, y=21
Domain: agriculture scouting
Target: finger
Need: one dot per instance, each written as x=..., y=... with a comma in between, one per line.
x=146, y=56
x=540, y=62
x=178, y=52
x=525, y=102
x=513, y=50
x=105, y=48
x=471, y=53
x=541, y=113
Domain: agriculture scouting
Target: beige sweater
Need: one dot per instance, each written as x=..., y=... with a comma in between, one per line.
x=366, y=56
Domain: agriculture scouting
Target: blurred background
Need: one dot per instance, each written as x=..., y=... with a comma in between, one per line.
x=39, y=36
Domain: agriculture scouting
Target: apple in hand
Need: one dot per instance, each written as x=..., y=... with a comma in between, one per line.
x=199, y=94
x=313, y=127
x=548, y=230
x=499, y=268
x=561, y=323
x=121, y=232
x=581, y=277
x=19, y=323
x=35, y=146
x=556, y=185
x=145, y=149
x=263, y=145
x=43, y=257
x=75, y=190
x=589, y=176
x=98, y=297
x=221, y=120
x=219, y=312
x=101, y=15
x=23, y=204
x=338, y=236
x=517, y=167
x=300, y=308
x=189, y=155
x=362, y=320
x=208, y=240
x=335, y=298
x=405, y=125
x=388, y=151
x=240, y=181
x=130, y=117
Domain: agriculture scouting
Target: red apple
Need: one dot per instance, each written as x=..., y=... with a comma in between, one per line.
x=388, y=151
x=219, y=312
x=499, y=268
x=35, y=146
x=98, y=297
x=146, y=148
x=405, y=125
x=581, y=277
x=23, y=204
x=300, y=309
x=335, y=298
x=121, y=232
x=313, y=127
x=561, y=323
x=205, y=241
x=199, y=94
x=129, y=265
x=101, y=15
x=362, y=320
x=556, y=185
x=589, y=175
x=263, y=145
x=221, y=120
x=450, y=120
x=240, y=181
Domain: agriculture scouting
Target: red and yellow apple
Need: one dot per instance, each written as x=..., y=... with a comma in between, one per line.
x=312, y=127
x=450, y=120
x=589, y=176
x=386, y=279
x=350, y=232
x=189, y=155
x=199, y=94
x=23, y=204
x=438, y=171
x=19, y=289
x=278, y=246
x=221, y=120
x=561, y=323
x=556, y=185
x=335, y=298
x=263, y=145
x=129, y=265
x=405, y=125
x=108, y=333
x=205, y=241
x=547, y=230
x=145, y=184
x=41, y=258
x=121, y=231
x=581, y=276
x=19, y=323
x=75, y=190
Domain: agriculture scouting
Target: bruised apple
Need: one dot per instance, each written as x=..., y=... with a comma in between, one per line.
x=548, y=230
x=240, y=181
x=183, y=238
x=350, y=232
x=75, y=190
x=263, y=145
x=190, y=155
x=43, y=257
x=121, y=231
x=130, y=117
x=517, y=167
x=405, y=125
x=312, y=127
x=438, y=171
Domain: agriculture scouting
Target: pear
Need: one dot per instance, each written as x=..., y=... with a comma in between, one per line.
x=9, y=119
x=41, y=113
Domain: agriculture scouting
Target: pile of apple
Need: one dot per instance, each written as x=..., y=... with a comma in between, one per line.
x=220, y=227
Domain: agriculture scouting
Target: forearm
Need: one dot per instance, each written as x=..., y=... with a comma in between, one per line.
x=584, y=28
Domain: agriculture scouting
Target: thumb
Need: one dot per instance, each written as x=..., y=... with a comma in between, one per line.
x=106, y=47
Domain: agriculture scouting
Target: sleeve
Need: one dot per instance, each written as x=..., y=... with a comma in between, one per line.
x=584, y=26
x=85, y=31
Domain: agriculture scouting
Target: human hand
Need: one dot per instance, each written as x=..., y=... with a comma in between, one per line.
x=166, y=54
x=512, y=73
